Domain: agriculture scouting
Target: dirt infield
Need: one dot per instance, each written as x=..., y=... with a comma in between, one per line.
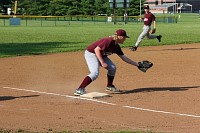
x=35, y=93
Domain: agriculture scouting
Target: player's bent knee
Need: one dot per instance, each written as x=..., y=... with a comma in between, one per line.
x=94, y=75
x=112, y=70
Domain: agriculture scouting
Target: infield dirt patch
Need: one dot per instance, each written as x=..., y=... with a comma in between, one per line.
x=165, y=99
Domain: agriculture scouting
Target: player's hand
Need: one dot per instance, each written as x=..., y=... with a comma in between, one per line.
x=104, y=65
x=152, y=31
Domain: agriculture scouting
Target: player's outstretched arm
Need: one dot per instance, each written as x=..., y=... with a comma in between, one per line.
x=142, y=66
x=128, y=60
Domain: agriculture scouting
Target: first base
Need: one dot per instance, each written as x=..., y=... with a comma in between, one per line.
x=95, y=95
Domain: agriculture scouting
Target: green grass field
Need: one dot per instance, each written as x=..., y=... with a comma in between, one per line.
x=21, y=40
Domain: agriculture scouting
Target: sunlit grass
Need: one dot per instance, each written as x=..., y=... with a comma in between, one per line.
x=22, y=40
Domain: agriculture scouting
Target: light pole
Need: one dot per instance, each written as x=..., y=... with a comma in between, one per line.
x=125, y=11
x=114, y=8
x=175, y=7
x=15, y=8
x=140, y=8
x=166, y=9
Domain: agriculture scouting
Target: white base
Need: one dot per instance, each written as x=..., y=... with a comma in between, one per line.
x=95, y=95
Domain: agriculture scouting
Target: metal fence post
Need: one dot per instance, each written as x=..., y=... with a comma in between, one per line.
x=41, y=21
x=4, y=22
x=55, y=20
x=26, y=22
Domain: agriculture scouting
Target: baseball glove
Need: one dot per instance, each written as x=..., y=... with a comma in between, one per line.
x=144, y=65
x=152, y=31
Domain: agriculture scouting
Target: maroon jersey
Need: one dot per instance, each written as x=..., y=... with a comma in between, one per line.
x=107, y=46
x=148, y=19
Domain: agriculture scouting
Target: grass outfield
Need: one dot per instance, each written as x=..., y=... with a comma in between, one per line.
x=17, y=41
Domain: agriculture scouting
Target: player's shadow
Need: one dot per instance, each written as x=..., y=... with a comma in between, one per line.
x=5, y=98
x=153, y=89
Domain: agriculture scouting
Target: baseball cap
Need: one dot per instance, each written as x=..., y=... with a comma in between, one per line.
x=121, y=32
x=146, y=7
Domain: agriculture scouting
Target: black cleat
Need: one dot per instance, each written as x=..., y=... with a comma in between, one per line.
x=159, y=38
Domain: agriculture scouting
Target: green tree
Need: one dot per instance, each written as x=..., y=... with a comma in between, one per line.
x=74, y=7
x=103, y=7
x=59, y=7
x=43, y=7
x=30, y=7
x=134, y=8
x=88, y=7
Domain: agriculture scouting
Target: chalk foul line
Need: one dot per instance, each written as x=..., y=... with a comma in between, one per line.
x=103, y=102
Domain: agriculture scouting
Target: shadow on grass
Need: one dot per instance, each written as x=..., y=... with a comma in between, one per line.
x=174, y=49
x=19, y=49
x=153, y=89
x=5, y=98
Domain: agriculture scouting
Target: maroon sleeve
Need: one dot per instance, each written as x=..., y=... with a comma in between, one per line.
x=107, y=46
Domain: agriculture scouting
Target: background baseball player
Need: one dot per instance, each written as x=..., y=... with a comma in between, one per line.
x=96, y=55
x=148, y=19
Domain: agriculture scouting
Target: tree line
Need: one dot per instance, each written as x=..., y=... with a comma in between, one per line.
x=69, y=7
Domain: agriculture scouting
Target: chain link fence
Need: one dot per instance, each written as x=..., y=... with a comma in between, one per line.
x=9, y=20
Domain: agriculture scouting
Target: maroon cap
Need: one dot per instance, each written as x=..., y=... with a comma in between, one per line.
x=121, y=32
x=146, y=7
